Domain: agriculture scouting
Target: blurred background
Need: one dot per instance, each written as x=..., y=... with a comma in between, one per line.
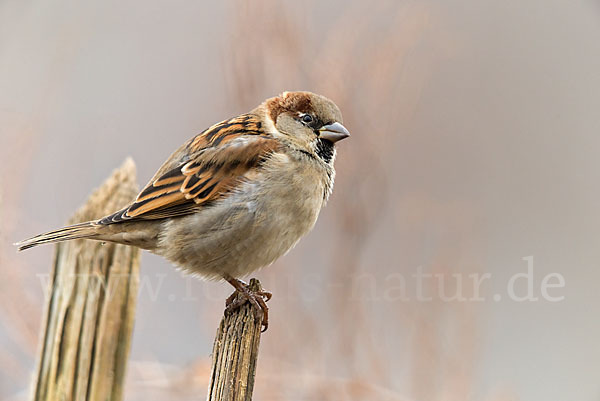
x=474, y=155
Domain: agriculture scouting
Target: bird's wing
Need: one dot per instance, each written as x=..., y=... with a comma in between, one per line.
x=204, y=169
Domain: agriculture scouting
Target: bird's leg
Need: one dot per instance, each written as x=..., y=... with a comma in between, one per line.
x=243, y=294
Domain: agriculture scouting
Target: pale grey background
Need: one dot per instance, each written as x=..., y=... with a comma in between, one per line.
x=475, y=143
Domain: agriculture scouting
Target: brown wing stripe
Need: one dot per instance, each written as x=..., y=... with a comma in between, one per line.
x=169, y=177
x=233, y=133
x=193, y=191
x=205, y=194
x=154, y=203
x=153, y=192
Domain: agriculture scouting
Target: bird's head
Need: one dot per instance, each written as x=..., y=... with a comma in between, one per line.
x=306, y=121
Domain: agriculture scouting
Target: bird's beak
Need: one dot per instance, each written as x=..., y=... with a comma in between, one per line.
x=334, y=132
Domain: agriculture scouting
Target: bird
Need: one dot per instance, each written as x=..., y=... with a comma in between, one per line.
x=235, y=197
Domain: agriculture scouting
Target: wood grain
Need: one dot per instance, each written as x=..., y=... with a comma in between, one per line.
x=235, y=353
x=91, y=306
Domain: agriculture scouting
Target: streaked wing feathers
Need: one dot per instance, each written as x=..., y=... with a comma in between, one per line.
x=213, y=163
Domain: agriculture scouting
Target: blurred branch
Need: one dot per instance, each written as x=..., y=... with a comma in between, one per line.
x=235, y=352
x=91, y=307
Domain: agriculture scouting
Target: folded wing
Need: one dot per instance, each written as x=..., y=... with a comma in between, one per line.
x=208, y=166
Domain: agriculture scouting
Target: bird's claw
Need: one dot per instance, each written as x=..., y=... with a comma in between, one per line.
x=243, y=294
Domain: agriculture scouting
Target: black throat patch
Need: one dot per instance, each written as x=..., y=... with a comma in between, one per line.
x=324, y=150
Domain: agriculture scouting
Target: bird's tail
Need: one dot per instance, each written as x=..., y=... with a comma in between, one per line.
x=88, y=229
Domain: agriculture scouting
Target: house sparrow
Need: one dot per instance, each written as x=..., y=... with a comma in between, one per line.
x=235, y=197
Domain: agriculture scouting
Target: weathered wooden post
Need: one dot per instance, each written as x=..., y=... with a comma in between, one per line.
x=91, y=307
x=235, y=353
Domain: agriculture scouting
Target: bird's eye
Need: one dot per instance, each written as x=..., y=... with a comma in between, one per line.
x=307, y=119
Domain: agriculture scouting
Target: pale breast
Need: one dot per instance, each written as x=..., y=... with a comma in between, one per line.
x=251, y=227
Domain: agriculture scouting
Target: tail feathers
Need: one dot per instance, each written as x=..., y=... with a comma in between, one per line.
x=76, y=231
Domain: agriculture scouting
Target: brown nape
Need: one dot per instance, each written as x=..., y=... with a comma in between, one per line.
x=289, y=101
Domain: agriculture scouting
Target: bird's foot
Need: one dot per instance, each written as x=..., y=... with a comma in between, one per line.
x=242, y=294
